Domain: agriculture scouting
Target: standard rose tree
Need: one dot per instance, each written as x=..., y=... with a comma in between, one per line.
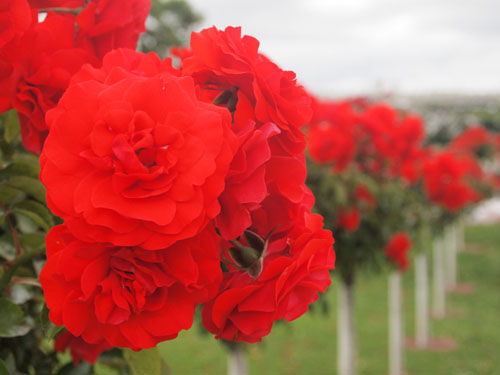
x=364, y=163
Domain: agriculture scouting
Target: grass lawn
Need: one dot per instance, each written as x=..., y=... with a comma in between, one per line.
x=308, y=345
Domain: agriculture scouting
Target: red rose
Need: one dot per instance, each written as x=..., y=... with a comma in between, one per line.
x=47, y=74
x=268, y=108
x=330, y=144
x=291, y=278
x=36, y=67
x=246, y=185
x=224, y=60
x=446, y=180
x=15, y=18
x=79, y=348
x=348, y=219
x=363, y=194
x=397, y=250
x=128, y=296
x=143, y=162
x=111, y=24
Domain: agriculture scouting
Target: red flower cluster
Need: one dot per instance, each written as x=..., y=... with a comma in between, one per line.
x=471, y=140
x=370, y=138
x=331, y=137
x=38, y=58
x=164, y=174
x=397, y=250
x=447, y=180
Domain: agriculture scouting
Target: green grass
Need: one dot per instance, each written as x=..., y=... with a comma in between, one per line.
x=308, y=345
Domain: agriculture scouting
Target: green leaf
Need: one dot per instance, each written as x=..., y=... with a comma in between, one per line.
x=83, y=368
x=32, y=240
x=3, y=368
x=11, y=126
x=37, y=219
x=29, y=185
x=37, y=208
x=7, y=250
x=12, y=323
x=8, y=194
x=20, y=169
x=20, y=294
x=145, y=362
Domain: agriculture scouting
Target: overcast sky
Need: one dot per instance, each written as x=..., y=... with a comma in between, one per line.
x=360, y=46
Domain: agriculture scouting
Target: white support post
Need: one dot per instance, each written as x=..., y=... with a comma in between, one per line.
x=439, y=302
x=461, y=235
x=395, y=324
x=421, y=301
x=346, y=351
x=237, y=361
x=450, y=257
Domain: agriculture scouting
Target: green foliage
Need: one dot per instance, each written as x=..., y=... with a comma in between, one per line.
x=146, y=362
x=169, y=24
x=24, y=222
x=3, y=368
x=13, y=322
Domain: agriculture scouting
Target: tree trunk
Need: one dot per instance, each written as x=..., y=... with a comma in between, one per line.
x=347, y=353
x=395, y=324
x=439, y=305
x=421, y=301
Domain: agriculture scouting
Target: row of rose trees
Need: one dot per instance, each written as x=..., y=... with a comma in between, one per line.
x=378, y=186
x=134, y=191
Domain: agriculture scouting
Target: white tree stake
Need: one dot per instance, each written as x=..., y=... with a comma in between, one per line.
x=237, y=361
x=439, y=305
x=450, y=258
x=395, y=324
x=346, y=357
x=421, y=301
x=461, y=235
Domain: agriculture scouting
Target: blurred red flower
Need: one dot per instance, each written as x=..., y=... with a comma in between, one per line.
x=397, y=250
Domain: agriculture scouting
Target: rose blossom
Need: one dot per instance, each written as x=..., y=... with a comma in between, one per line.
x=142, y=162
x=79, y=348
x=36, y=66
x=247, y=306
x=397, y=250
x=268, y=108
x=127, y=296
x=225, y=60
x=348, y=219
